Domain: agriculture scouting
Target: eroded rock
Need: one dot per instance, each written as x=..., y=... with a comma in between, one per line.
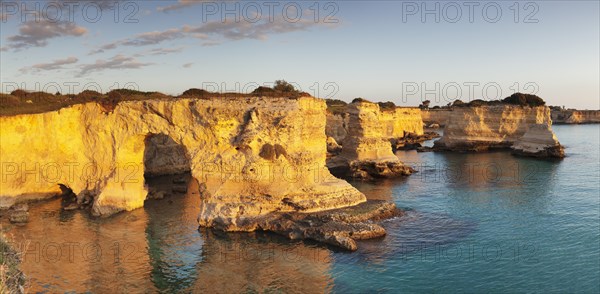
x=19, y=213
x=366, y=150
x=338, y=227
x=219, y=140
x=524, y=130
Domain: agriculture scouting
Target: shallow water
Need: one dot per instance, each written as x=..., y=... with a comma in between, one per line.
x=476, y=223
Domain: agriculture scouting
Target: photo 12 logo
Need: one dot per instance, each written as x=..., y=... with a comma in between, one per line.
x=448, y=92
x=255, y=11
x=70, y=11
x=469, y=11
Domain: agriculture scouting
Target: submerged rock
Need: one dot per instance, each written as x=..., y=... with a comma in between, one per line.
x=338, y=227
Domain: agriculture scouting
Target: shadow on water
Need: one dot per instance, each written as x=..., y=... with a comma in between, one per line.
x=186, y=258
x=160, y=249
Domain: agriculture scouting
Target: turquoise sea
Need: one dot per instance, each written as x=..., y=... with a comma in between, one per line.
x=489, y=222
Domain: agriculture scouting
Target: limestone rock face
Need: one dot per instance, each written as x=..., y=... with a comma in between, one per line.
x=575, y=116
x=366, y=150
x=393, y=123
x=402, y=121
x=251, y=156
x=332, y=146
x=163, y=156
x=539, y=141
x=528, y=129
x=337, y=126
x=435, y=116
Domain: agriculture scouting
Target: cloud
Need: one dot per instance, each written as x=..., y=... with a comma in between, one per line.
x=37, y=33
x=144, y=39
x=116, y=62
x=179, y=5
x=159, y=51
x=163, y=51
x=54, y=65
x=188, y=65
x=216, y=32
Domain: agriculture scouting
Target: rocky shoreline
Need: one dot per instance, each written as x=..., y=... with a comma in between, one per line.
x=240, y=150
x=340, y=227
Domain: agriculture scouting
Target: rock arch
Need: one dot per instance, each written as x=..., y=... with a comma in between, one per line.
x=218, y=133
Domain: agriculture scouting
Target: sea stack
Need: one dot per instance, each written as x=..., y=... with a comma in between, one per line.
x=526, y=130
x=366, y=149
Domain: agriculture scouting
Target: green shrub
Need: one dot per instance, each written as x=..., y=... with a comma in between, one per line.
x=458, y=103
x=19, y=93
x=283, y=86
x=386, y=105
x=524, y=100
x=88, y=95
x=360, y=99
x=263, y=91
x=193, y=92
x=477, y=102
x=129, y=92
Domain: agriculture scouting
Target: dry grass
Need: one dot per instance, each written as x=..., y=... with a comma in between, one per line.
x=12, y=279
x=22, y=102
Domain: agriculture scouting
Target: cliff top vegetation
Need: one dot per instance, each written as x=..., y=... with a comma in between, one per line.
x=519, y=99
x=26, y=102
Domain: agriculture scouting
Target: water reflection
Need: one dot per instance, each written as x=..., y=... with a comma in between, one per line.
x=160, y=249
x=482, y=177
x=67, y=251
x=261, y=262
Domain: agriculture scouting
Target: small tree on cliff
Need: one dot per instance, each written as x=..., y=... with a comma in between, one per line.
x=283, y=86
x=524, y=100
x=425, y=104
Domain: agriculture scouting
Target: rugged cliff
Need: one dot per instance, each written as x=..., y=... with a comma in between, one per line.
x=575, y=116
x=435, y=116
x=366, y=149
x=251, y=156
x=337, y=126
x=394, y=123
x=526, y=130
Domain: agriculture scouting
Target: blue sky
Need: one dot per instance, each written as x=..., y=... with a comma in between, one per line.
x=379, y=50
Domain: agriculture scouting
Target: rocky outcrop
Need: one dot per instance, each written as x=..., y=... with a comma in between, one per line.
x=163, y=156
x=251, y=156
x=411, y=141
x=571, y=116
x=395, y=123
x=366, y=149
x=435, y=116
x=333, y=148
x=526, y=130
x=403, y=121
x=337, y=126
x=539, y=141
x=339, y=227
